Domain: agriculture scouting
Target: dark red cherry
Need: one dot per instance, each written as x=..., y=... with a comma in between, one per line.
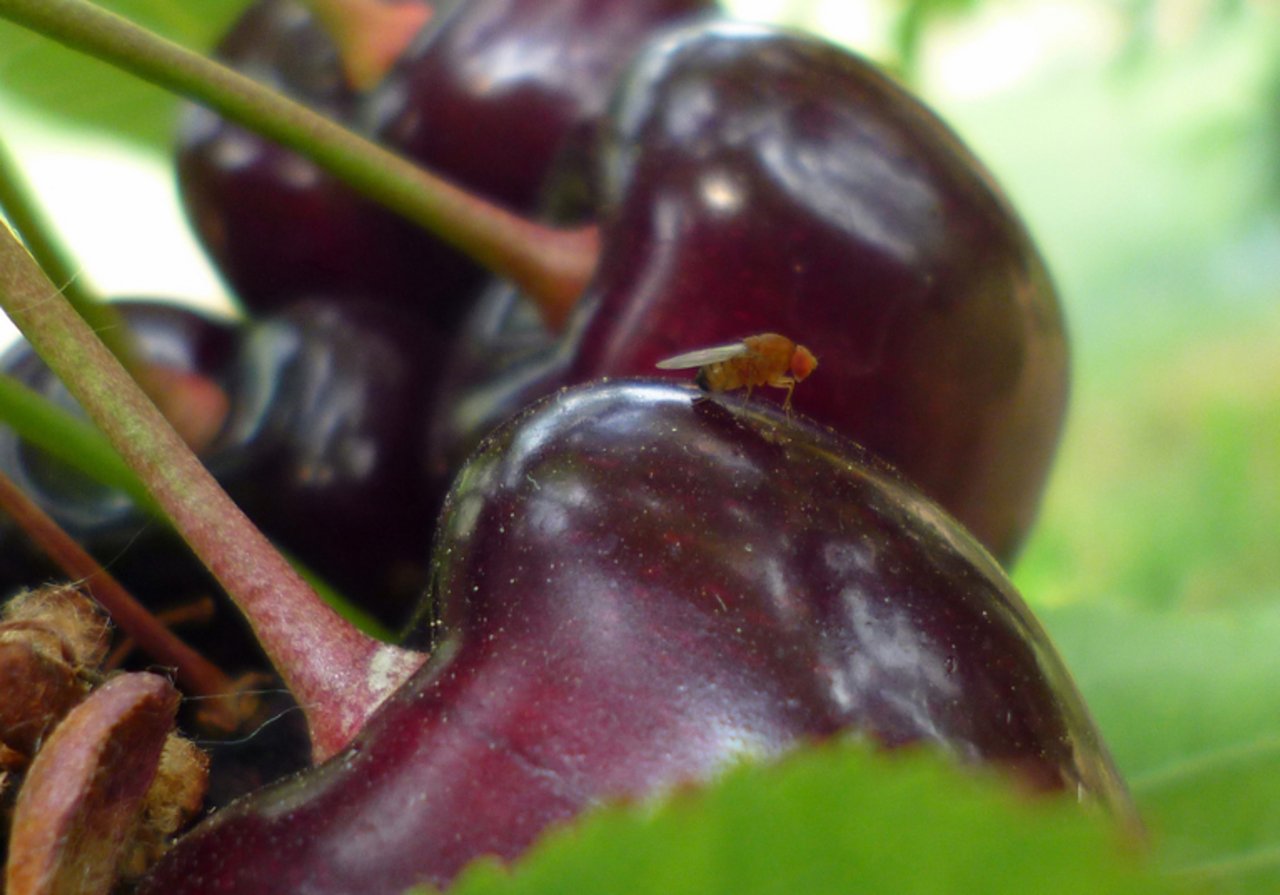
x=633, y=587
x=320, y=444
x=168, y=336
x=142, y=553
x=486, y=97
x=751, y=181
x=327, y=432
x=280, y=228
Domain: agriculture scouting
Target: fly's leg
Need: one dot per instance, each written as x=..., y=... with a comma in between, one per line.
x=789, y=383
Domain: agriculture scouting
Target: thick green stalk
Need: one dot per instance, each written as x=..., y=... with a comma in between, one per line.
x=552, y=266
x=200, y=400
x=26, y=217
x=337, y=674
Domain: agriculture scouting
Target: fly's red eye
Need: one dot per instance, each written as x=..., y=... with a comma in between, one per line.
x=802, y=363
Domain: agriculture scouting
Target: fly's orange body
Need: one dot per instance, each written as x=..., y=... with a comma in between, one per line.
x=766, y=359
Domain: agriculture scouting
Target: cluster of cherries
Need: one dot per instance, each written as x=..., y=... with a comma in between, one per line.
x=623, y=585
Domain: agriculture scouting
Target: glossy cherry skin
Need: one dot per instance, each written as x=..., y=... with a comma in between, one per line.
x=755, y=181
x=278, y=227
x=493, y=90
x=633, y=587
x=327, y=432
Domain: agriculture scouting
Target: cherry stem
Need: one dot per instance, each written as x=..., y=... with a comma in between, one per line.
x=337, y=674
x=29, y=221
x=370, y=34
x=552, y=266
x=197, y=674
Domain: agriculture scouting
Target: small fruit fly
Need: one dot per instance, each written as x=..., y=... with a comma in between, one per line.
x=766, y=359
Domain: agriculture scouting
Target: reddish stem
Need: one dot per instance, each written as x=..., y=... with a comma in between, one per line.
x=200, y=611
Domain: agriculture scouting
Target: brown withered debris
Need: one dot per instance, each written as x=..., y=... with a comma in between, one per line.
x=53, y=641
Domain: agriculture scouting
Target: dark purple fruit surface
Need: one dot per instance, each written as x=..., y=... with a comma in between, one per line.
x=327, y=430
x=279, y=227
x=492, y=90
x=752, y=180
x=635, y=585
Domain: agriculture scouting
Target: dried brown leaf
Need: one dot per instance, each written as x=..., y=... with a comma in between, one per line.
x=85, y=789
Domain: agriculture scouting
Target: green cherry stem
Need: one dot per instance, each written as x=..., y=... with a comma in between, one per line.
x=31, y=224
x=61, y=434
x=337, y=674
x=550, y=265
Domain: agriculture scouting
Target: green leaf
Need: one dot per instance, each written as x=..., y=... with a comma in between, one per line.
x=838, y=819
x=57, y=83
x=1190, y=705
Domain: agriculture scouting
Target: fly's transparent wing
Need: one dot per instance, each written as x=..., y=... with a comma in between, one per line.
x=703, y=356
